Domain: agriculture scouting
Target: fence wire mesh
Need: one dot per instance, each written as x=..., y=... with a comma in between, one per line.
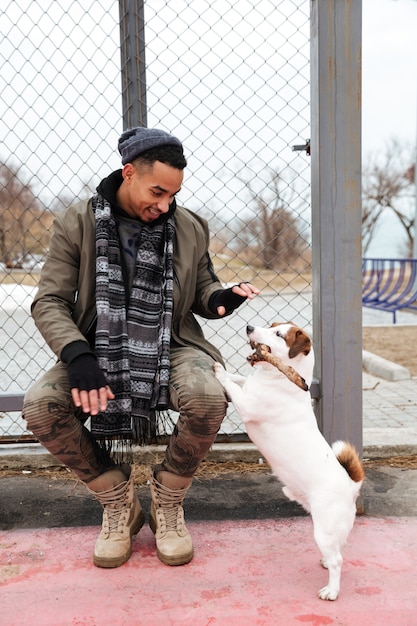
x=231, y=80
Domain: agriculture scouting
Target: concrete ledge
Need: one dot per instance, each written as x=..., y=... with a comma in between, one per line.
x=387, y=451
x=21, y=458
x=382, y=368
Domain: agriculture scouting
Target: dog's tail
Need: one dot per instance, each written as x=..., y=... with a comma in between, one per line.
x=348, y=457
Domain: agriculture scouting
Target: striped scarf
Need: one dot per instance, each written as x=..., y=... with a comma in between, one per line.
x=133, y=340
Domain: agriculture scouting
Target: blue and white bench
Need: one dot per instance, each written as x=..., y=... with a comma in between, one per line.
x=389, y=285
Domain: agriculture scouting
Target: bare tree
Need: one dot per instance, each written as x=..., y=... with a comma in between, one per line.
x=20, y=210
x=270, y=233
x=388, y=186
x=25, y=222
x=276, y=231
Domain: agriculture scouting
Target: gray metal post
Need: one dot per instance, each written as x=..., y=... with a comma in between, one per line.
x=336, y=215
x=132, y=48
x=415, y=209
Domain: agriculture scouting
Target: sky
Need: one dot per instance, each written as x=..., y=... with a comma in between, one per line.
x=389, y=60
x=389, y=72
x=389, y=93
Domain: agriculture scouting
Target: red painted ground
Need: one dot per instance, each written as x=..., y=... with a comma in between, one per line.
x=243, y=573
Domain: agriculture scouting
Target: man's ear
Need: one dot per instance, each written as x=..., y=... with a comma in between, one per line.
x=128, y=171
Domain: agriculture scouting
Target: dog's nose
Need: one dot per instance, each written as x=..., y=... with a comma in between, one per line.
x=249, y=329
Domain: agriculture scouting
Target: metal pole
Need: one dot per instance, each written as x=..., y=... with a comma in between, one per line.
x=415, y=197
x=336, y=215
x=132, y=49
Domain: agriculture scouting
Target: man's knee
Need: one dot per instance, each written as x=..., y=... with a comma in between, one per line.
x=195, y=390
x=204, y=414
x=46, y=400
x=195, y=432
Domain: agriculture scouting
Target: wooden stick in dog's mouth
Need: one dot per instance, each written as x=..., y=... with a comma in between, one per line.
x=263, y=353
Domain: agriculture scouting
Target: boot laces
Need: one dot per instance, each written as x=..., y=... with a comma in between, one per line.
x=170, y=505
x=114, y=514
x=115, y=509
x=171, y=517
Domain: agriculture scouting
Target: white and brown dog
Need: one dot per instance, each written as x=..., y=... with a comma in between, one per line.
x=280, y=421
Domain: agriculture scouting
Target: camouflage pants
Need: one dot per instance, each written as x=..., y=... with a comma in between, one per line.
x=194, y=393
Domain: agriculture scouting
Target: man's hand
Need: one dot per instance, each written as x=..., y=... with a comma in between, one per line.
x=244, y=290
x=89, y=388
x=92, y=401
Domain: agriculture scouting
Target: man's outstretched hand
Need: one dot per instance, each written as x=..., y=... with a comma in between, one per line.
x=243, y=291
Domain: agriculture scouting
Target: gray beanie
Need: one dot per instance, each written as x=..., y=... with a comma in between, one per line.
x=134, y=141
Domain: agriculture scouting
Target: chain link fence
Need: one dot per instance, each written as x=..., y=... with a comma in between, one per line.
x=231, y=80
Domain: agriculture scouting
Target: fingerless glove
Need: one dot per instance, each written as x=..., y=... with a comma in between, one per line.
x=84, y=373
x=226, y=298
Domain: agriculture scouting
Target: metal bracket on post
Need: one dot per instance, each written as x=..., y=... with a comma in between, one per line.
x=315, y=390
x=300, y=148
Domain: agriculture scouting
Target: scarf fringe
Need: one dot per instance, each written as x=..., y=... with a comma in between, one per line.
x=145, y=432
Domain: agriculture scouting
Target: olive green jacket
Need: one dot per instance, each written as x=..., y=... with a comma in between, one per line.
x=64, y=308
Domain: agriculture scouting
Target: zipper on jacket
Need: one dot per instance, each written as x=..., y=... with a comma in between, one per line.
x=91, y=327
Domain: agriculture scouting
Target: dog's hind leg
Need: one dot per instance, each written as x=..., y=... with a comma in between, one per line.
x=296, y=497
x=334, y=567
x=332, y=560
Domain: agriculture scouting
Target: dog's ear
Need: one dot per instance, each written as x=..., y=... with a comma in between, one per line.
x=301, y=343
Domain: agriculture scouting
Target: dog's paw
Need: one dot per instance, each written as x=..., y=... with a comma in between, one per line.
x=327, y=593
x=220, y=373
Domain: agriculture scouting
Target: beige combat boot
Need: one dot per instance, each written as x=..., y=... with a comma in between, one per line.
x=173, y=541
x=122, y=518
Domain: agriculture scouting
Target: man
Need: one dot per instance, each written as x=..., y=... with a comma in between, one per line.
x=125, y=274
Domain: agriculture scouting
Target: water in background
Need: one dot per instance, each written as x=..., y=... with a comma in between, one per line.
x=389, y=241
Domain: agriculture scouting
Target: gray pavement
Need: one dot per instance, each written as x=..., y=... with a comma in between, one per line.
x=389, y=416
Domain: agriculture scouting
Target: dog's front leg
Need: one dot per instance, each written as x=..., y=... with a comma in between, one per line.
x=237, y=378
x=231, y=384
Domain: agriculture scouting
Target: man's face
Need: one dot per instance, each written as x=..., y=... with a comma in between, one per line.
x=147, y=193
